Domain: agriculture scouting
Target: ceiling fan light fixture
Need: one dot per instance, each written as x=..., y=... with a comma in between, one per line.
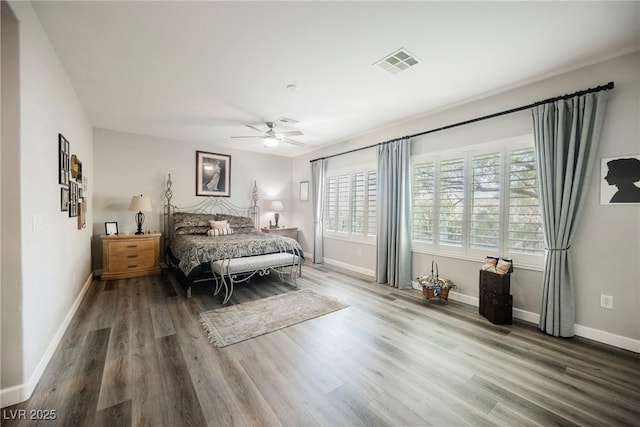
x=271, y=141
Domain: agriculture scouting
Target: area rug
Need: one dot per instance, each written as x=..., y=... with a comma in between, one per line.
x=236, y=323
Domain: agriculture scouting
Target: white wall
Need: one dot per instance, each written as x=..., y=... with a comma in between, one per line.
x=128, y=164
x=10, y=256
x=607, y=245
x=55, y=255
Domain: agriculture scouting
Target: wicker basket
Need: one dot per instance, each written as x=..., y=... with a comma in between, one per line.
x=434, y=286
x=430, y=292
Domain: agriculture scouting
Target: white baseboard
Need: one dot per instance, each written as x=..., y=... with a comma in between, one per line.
x=580, y=331
x=308, y=256
x=607, y=338
x=20, y=393
x=365, y=271
x=465, y=299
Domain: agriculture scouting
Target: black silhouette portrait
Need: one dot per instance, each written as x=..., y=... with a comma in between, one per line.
x=624, y=173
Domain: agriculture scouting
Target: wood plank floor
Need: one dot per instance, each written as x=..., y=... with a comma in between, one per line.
x=135, y=354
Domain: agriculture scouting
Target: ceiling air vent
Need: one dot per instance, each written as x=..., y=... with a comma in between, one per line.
x=287, y=120
x=399, y=60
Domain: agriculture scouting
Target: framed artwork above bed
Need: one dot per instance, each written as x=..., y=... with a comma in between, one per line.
x=213, y=174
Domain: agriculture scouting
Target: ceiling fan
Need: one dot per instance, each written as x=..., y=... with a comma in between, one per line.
x=273, y=138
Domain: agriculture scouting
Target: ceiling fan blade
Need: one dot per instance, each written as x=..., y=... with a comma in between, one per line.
x=252, y=136
x=293, y=142
x=255, y=128
x=290, y=133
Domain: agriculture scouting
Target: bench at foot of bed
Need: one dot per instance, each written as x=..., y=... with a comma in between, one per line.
x=236, y=270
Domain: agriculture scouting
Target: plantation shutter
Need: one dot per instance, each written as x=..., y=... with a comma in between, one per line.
x=424, y=187
x=331, y=218
x=371, y=203
x=485, y=202
x=343, y=204
x=525, y=220
x=451, y=215
x=358, y=203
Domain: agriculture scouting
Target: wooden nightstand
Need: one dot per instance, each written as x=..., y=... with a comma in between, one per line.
x=130, y=255
x=282, y=231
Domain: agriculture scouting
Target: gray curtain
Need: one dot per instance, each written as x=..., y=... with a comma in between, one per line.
x=393, y=235
x=566, y=140
x=318, y=194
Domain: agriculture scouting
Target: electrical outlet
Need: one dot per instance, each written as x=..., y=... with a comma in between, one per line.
x=606, y=301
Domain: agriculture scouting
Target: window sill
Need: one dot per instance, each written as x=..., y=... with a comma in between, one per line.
x=371, y=241
x=465, y=257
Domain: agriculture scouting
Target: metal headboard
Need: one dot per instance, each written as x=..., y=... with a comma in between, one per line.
x=209, y=205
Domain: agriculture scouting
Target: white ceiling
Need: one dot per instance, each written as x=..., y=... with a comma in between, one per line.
x=199, y=71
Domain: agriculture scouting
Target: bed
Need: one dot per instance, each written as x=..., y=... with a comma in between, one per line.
x=193, y=252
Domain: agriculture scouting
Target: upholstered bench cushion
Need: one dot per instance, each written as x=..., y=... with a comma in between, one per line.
x=253, y=263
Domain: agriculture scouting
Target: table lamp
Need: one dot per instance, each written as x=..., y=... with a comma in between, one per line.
x=141, y=204
x=276, y=206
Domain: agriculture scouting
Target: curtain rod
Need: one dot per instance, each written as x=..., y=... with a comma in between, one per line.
x=608, y=86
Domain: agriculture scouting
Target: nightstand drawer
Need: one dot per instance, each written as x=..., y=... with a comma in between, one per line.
x=124, y=249
x=132, y=262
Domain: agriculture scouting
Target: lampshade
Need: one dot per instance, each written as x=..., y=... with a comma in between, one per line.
x=271, y=141
x=140, y=204
x=276, y=206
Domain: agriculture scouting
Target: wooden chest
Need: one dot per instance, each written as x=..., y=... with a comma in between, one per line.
x=496, y=283
x=498, y=309
x=125, y=256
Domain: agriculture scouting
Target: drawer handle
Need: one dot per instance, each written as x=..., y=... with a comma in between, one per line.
x=132, y=266
x=132, y=256
x=132, y=246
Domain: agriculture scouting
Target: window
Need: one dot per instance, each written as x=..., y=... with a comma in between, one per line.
x=480, y=201
x=350, y=208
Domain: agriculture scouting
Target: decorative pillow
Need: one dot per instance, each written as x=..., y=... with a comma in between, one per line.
x=235, y=221
x=244, y=229
x=490, y=264
x=192, y=230
x=503, y=266
x=219, y=225
x=219, y=231
x=186, y=219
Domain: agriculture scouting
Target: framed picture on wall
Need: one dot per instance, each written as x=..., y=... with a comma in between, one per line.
x=82, y=213
x=304, y=191
x=73, y=199
x=64, y=199
x=620, y=180
x=63, y=160
x=213, y=174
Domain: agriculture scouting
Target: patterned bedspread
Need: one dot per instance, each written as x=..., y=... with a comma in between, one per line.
x=193, y=250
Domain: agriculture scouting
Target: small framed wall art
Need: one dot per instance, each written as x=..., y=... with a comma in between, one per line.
x=63, y=160
x=64, y=199
x=304, y=191
x=73, y=199
x=620, y=180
